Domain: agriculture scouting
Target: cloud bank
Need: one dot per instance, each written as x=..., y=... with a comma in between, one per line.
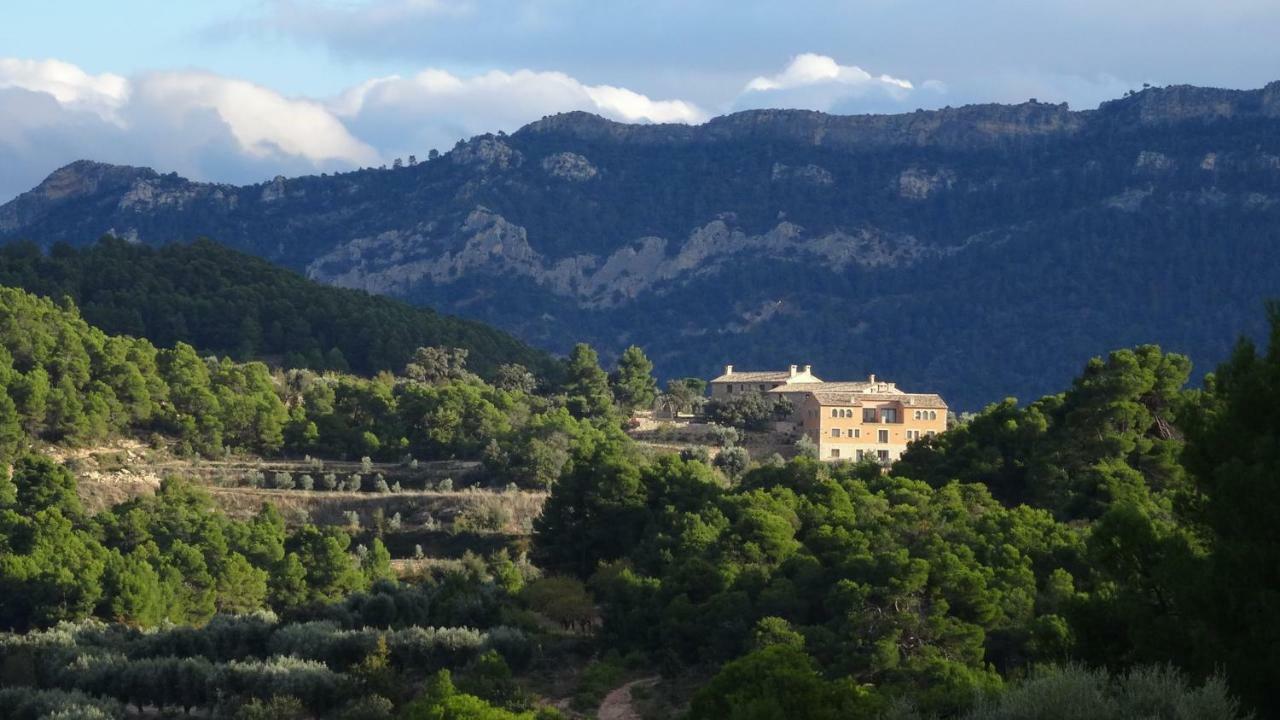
x=211, y=127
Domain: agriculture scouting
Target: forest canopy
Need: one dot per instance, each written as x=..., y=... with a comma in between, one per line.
x=227, y=303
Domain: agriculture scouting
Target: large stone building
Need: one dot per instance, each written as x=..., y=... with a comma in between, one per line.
x=870, y=419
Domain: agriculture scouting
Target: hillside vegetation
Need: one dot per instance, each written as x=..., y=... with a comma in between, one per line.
x=226, y=303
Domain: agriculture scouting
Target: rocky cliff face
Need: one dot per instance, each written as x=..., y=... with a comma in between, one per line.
x=972, y=250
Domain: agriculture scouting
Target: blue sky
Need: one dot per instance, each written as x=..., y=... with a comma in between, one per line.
x=240, y=91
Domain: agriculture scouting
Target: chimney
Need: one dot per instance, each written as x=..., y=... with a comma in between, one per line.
x=728, y=369
x=793, y=371
x=808, y=369
x=871, y=378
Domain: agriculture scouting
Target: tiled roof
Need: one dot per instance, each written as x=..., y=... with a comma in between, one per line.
x=857, y=393
x=765, y=376
x=862, y=387
x=834, y=398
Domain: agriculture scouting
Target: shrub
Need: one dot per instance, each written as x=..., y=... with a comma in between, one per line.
x=733, y=461
x=696, y=454
x=724, y=436
x=806, y=447
x=277, y=708
x=1073, y=692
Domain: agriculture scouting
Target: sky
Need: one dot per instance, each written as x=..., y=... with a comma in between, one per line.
x=242, y=90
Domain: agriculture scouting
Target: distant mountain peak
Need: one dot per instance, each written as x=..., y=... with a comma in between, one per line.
x=79, y=179
x=85, y=177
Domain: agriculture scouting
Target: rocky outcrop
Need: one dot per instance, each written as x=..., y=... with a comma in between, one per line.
x=1187, y=103
x=806, y=174
x=80, y=179
x=150, y=194
x=569, y=166
x=486, y=243
x=916, y=183
x=1150, y=162
x=487, y=153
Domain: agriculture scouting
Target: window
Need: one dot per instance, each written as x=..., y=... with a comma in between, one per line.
x=930, y=433
x=835, y=432
x=729, y=388
x=835, y=452
x=857, y=432
x=884, y=436
x=913, y=434
x=835, y=413
x=763, y=388
x=917, y=414
x=890, y=415
x=860, y=454
x=883, y=455
x=933, y=415
x=868, y=414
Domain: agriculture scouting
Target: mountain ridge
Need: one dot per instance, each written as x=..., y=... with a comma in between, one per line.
x=920, y=246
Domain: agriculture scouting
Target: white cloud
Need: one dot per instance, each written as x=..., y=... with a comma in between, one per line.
x=811, y=69
x=818, y=82
x=263, y=122
x=524, y=93
x=435, y=108
x=68, y=84
x=210, y=127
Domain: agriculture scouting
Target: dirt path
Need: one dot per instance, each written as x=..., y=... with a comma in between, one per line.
x=617, y=704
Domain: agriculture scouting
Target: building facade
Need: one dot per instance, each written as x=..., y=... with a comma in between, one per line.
x=860, y=424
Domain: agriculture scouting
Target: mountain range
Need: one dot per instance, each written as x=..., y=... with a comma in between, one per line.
x=978, y=252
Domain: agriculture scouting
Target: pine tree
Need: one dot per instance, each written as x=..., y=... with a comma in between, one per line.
x=633, y=384
x=588, y=386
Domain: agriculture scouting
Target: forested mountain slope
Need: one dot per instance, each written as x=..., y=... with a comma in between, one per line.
x=227, y=303
x=977, y=251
